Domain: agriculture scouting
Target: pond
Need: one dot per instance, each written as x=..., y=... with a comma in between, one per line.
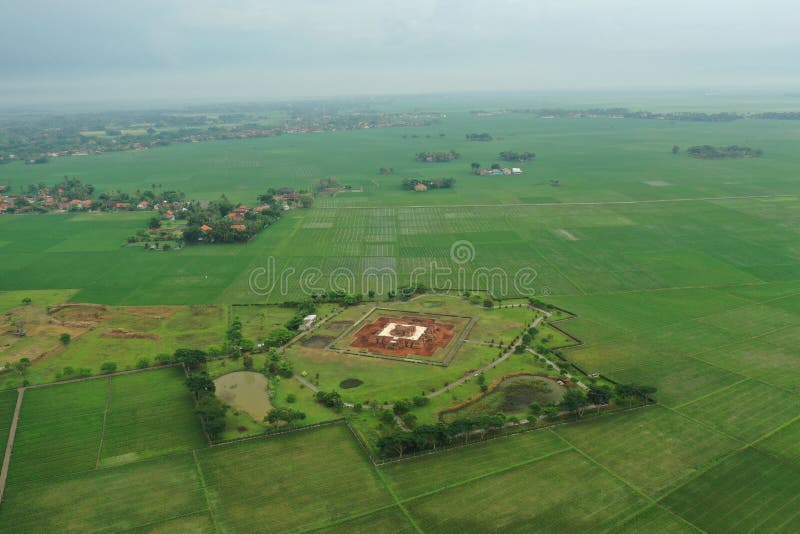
x=513, y=396
x=245, y=391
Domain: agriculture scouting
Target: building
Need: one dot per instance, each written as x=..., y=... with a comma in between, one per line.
x=308, y=322
x=205, y=228
x=238, y=227
x=516, y=170
x=420, y=187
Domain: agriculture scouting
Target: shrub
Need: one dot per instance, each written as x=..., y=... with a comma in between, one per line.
x=291, y=398
x=108, y=367
x=142, y=363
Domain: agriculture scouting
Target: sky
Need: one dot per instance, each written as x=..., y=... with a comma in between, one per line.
x=85, y=51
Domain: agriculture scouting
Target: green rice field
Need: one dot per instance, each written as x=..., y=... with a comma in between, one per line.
x=678, y=273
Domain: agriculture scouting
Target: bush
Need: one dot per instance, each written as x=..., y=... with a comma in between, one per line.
x=142, y=363
x=420, y=400
x=108, y=367
x=65, y=338
x=387, y=416
x=291, y=398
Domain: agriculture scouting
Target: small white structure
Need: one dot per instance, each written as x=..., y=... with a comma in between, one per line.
x=308, y=321
x=416, y=331
x=516, y=170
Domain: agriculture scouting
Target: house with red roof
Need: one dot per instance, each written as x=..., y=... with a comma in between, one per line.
x=239, y=227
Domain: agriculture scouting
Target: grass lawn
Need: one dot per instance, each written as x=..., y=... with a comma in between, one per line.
x=293, y=481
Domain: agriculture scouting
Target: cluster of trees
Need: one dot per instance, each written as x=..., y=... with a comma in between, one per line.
x=331, y=399
x=433, y=436
x=330, y=183
x=340, y=297
x=510, y=155
x=284, y=415
x=277, y=365
x=437, y=157
x=438, y=183
x=479, y=137
x=214, y=216
x=723, y=152
x=210, y=409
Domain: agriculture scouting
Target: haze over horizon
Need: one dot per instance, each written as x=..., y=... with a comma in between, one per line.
x=54, y=53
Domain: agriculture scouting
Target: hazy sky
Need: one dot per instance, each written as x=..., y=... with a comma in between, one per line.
x=82, y=50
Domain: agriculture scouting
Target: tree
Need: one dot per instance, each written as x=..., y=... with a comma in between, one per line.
x=675, y=149
x=402, y=406
x=234, y=334
x=191, y=358
x=142, y=363
x=154, y=223
x=21, y=366
x=574, y=400
x=332, y=399
x=247, y=361
x=212, y=411
x=536, y=409
x=65, y=338
x=108, y=367
x=27, y=301
x=476, y=167
x=599, y=395
x=200, y=384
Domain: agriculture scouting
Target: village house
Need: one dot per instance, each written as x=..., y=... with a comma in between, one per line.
x=205, y=228
x=420, y=187
x=143, y=205
x=238, y=227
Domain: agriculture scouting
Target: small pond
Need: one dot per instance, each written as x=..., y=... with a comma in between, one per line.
x=245, y=391
x=513, y=396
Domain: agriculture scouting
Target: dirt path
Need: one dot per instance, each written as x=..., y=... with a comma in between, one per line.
x=307, y=383
x=566, y=204
x=486, y=367
x=12, y=433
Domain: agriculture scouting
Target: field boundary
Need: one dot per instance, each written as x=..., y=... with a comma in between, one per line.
x=267, y=435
